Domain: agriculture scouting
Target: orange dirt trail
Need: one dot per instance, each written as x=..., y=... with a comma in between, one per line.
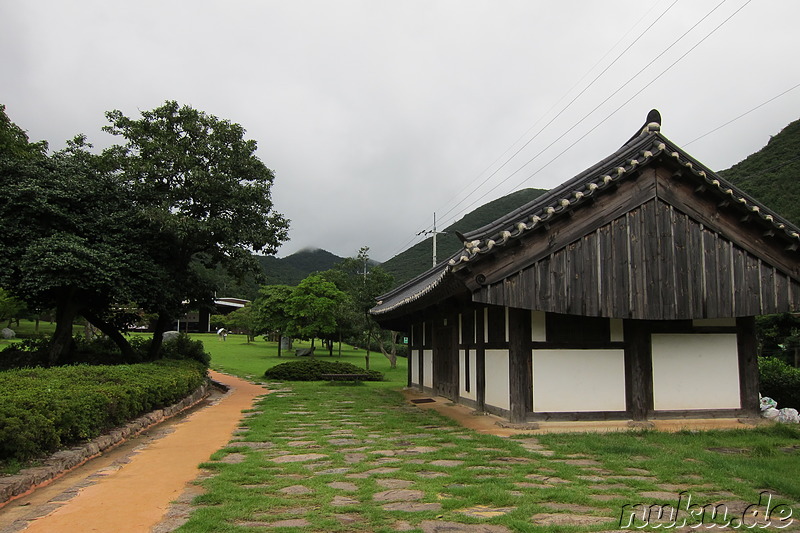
x=135, y=497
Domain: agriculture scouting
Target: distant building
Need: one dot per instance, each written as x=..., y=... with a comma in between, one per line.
x=629, y=291
x=200, y=321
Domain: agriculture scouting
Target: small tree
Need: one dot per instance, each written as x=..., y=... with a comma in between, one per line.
x=363, y=282
x=271, y=311
x=313, y=308
x=244, y=319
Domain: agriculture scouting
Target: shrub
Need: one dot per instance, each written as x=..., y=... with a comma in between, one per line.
x=780, y=382
x=181, y=347
x=42, y=409
x=312, y=370
x=101, y=351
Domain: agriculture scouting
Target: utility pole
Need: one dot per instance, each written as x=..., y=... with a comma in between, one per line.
x=434, y=233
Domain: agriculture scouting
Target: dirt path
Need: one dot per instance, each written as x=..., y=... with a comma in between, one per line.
x=132, y=492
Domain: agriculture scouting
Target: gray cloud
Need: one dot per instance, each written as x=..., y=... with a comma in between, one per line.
x=376, y=114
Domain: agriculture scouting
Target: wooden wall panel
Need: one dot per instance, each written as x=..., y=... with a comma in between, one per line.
x=652, y=263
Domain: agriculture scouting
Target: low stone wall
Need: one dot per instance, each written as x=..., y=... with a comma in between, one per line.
x=59, y=463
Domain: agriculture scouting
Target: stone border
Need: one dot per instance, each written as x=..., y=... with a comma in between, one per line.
x=61, y=462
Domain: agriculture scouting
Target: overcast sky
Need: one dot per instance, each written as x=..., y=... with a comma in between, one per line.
x=376, y=114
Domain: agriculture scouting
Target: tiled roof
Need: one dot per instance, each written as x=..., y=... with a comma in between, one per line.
x=641, y=150
x=637, y=152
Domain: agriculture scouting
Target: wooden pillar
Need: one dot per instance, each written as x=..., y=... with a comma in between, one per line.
x=748, y=363
x=480, y=361
x=412, y=345
x=519, y=364
x=638, y=369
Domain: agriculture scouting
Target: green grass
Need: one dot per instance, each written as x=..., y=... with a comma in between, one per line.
x=27, y=329
x=382, y=430
x=235, y=356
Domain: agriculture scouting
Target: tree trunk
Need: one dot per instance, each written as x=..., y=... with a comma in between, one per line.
x=114, y=334
x=392, y=355
x=62, y=343
x=163, y=321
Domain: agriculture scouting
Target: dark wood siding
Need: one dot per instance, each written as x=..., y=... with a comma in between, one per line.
x=665, y=266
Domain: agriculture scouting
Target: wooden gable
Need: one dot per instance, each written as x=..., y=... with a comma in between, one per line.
x=647, y=233
x=657, y=248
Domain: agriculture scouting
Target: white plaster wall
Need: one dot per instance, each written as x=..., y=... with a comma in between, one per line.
x=578, y=380
x=616, y=330
x=695, y=371
x=538, y=326
x=462, y=387
x=427, y=368
x=497, y=386
x=414, y=367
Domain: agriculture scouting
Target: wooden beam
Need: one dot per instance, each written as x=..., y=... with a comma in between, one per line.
x=519, y=364
x=748, y=364
x=480, y=361
x=638, y=369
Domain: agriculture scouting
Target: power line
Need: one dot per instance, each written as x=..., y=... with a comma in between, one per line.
x=574, y=99
x=635, y=95
x=622, y=86
x=415, y=237
x=743, y=114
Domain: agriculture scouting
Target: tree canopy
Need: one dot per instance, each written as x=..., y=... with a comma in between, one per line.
x=143, y=225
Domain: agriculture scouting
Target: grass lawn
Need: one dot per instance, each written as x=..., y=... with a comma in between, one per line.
x=334, y=457
x=235, y=356
x=27, y=328
x=330, y=457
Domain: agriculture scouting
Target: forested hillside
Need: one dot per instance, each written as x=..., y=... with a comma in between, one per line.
x=772, y=174
x=292, y=269
x=417, y=259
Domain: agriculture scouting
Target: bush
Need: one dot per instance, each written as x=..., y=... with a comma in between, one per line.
x=42, y=409
x=780, y=382
x=181, y=347
x=312, y=370
x=101, y=351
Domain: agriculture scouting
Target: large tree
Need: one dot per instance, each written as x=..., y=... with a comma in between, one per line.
x=144, y=225
x=65, y=241
x=206, y=198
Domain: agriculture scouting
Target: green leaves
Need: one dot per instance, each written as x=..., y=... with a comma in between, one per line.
x=313, y=307
x=145, y=222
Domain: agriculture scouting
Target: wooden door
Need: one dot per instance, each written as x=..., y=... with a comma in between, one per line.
x=445, y=362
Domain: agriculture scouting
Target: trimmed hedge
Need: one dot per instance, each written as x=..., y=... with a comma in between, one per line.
x=312, y=370
x=43, y=409
x=780, y=381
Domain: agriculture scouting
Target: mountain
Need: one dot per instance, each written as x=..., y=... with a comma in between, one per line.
x=772, y=174
x=292, y=269
x=417, y=259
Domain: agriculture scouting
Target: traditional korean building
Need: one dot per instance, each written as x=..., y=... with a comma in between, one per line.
x=629, y=291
